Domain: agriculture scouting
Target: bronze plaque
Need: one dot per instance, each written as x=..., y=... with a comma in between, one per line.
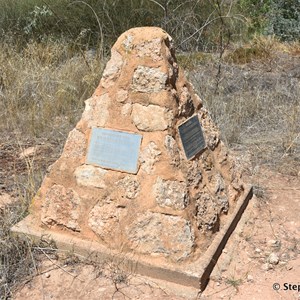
x=191, y=137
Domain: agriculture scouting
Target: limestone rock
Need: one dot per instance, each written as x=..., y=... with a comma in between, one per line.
x=75, y=145
x=266, y=267
x=128, y=43
x=148, y=157
x=130, y=185
x=186, y=105
x=273, y=259
x=218, y=184
x=122, y=95
x=148, y=80
x=173, y=150
x=151, y=49
x=206, y=212
x=151, y=117
x=61, y=207
x=126, y=109
x=88, y=175
x=194, y=175
x=210, y=129
x=96, y=111
x=158, y=234
x=223, y=203
x=104, y=220
x=112, y=70
x=171, y=193
x=274, y=243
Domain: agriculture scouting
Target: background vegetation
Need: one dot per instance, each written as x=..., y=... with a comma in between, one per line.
x=241, y=55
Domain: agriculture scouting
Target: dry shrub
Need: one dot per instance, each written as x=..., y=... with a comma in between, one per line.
x=44, y=84
x=42, y=91
x=256, y=105
x=259, y=48
x=16, y=256
x=190, y=61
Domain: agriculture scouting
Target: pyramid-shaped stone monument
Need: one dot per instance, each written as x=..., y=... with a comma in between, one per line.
x=143, y=175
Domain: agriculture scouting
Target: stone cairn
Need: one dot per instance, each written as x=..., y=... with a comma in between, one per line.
x=171, y=207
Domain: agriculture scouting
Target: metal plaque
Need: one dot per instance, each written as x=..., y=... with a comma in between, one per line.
x=112, y=149
x=191, y=137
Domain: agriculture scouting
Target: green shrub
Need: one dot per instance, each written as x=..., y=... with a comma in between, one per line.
x=284, y=19
x=195, y=25
x=256, y=13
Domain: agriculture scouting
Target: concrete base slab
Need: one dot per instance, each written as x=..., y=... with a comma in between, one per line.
x=195, y=274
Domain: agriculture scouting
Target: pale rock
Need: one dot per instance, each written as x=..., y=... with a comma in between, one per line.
x=126, y=109
x=172, y=73
x=104, y=219
x=207, y=161
x=148, y=80
x=186, y=105
x=171, y=193
x=285, y=256
x=194, y=175
x=273, y=259
x=217, y=187
x=87, y=115
x=206, y=212
x=250, y=278
x=211, y=132
x=61, y=207
x=122, y=95
x=148, y=157
x=223, y=154
x=112, y=70
x=266, y=267
x=75, y=146
x=274, y=243
x=130, y=185
x=223, y=203
x=161, y=235
x=88, y=175
x=216, y=183
x=151, y=49
x=101, y=111
x=212, y=140
x=151, y=117
x=172, y=149
x=128, y=43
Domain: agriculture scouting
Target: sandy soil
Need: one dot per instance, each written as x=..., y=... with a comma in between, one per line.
x=262, y=252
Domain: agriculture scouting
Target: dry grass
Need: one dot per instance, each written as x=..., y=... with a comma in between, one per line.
x=17, y=259
x=42, y=89
x=259, y=48
x=256, y=103
x=43, y=84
